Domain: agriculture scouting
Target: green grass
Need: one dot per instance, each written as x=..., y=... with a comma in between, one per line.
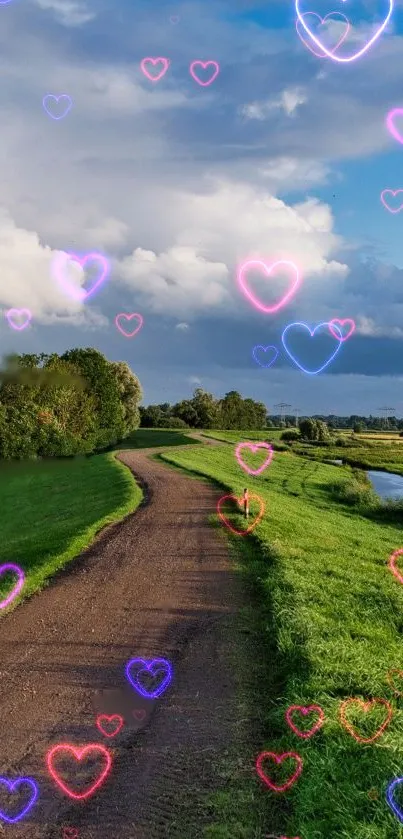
x=325, y=623
x=51, y=511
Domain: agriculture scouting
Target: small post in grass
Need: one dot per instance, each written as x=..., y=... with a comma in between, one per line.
x=246, y=502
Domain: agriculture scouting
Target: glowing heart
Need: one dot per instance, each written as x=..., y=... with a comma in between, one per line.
x=362, y=51
x=70, y=833
x=15, y=569
x=391, y=681
x=78, y=754
x=239, y=501
x=278, y=759
x=394, y=806
x=392, y=565
x=150, y=667
x=322, y=21
x=312, y=333
x=110, y=726
x=51, y=101
x=203, y=65
x=12, y=787
x=18, y=318
x=152, y=62
x=139, y=714
x=122, y=329
x=391, y=126
x=174, y=19
x=60, y=265
x=264, y=349
x=253, y=447
x=387, y=201
x=268, y=270
x=334, y=323
x=305, y=710
x=365, y=706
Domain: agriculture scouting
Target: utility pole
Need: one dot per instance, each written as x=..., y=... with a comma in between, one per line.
x=389, y=412
x=282, y=406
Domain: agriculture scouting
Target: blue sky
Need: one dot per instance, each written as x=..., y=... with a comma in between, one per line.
x=283, y=156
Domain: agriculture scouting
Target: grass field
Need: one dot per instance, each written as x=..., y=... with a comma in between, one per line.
x=325, y=624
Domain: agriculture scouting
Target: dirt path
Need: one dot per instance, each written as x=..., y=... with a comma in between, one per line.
x=157, y=585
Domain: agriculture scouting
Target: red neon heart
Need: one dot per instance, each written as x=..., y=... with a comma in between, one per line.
x=366, y=706
x=391, y=681
x=78, y=754
x=70, y=833
x=322, y=21
x=392, y=564
x=240, y=502
x=305, y=710
x=278, y=759
x=115, y=730
x=139, y=714
x=341, y=322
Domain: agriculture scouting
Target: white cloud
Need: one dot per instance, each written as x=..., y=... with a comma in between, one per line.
x=183, y=327
x=288, y=101
x=68, y=12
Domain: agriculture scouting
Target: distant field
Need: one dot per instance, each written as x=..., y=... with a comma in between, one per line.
x=326, y=624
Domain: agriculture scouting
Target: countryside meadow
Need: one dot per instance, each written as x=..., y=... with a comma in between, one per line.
x=201, y=420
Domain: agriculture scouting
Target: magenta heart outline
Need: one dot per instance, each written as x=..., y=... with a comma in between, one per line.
x=254, y=447
x=322, y=20
x=80, y=293
x=333, y=323
x=16, y=312
x=152, y=666
x=154, y=61
x=18, y=586
x=392, y=192
x=204, y=65
x=391, y=126
x=361, y=52
x=128, y=317
x=268, y=270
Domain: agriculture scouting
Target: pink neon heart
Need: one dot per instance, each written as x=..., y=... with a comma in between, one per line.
x=392, y=565
x=304, y=710
x=341, y=322
x=362, y=51
x=393, y=193
x=204, y=65
x=268, y=270
x=9, y=566
x=278, y=759
x=139, y=714
x=153, y=62
x=17, y=313
x=322, y=21
x=128, y=317
x=390, y=123
x=74, y=291
x=253, y=447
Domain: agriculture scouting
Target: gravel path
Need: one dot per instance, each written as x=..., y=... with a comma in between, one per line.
x=159, y=584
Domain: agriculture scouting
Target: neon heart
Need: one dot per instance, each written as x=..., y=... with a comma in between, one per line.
x=268, y=270
x=278, y=759
x=57, y=99
x=259, y=347
x=312, y=333
x=239, y=501
x=153, y=62
x=390, y=798
x=393, y=193
x=204, y=65
x=253, y=447
x=70, y=832
x=392, y=565
x=341, y=337
x=366, y=706
x=17, y=313
x=103, y=719
x=360, y=52
x=174, y=19
x=18, y=586
x=11, y=786
x=79, y=753
x=391, y=682
x=396, y=112
x=322, y=20
x=305, y=710
x=128, y=317
x=80, y=293
x=139, y=714
x=151, y=666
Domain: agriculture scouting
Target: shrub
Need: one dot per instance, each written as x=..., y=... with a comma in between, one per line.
x=290, y=434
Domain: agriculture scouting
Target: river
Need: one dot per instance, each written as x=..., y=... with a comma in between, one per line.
x=386, y=484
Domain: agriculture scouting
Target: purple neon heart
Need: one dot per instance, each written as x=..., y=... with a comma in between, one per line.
x=391, y=800
x=11, y=785
x=152, y=667
x=15, y=569
x=80, y=293
x=269, y=347
x=312, y=333
x=56, y=99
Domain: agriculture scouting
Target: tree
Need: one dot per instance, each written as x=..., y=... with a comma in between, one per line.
x=308, y=429
x=130, y=394
x=358, y=427
x=102, y=380
x=185, y=411
x=206, y=408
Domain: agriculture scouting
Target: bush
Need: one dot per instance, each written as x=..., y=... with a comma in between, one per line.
x=290, y=434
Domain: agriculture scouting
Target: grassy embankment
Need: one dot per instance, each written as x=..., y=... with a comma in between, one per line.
x=324, y=623
x=52, y=510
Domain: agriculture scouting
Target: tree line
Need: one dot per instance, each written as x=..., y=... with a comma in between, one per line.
x=204, y=411
x=62, y=405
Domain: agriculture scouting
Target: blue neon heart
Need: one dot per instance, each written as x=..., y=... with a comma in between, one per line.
x=312, y=333
x=259, y=347
x=391, y=800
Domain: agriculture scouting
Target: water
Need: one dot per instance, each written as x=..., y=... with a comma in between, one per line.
x=387, y=484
